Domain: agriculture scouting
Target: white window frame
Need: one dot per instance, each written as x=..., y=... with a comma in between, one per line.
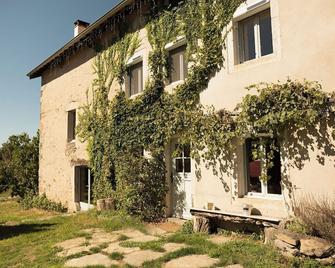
x=264, y=189
x=245, y=11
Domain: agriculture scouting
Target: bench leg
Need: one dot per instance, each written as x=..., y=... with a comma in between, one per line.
x=201, y=224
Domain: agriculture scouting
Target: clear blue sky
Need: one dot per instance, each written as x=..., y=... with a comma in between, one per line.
x=31, y=30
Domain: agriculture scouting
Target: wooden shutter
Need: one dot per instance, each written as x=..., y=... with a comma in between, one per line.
x=77, y=184
x=71, y=125
x=136, y=79
x=178, y=64
x=127, y=83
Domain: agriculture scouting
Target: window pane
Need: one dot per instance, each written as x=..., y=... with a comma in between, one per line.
x=84, y=184
x=187, y=165
x=177, y=62
x=136, y=78
x=254, y=168
x=179, y=165
x=187, y=150
x=274, y=186
x=247, y=40
x=265, y=33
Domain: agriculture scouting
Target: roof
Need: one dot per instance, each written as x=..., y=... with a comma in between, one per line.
x=37, y=71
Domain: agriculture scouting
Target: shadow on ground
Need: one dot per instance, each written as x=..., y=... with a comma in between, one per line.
x=15, y=230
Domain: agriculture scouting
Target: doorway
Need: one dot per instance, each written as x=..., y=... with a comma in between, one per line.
x=182, y=181
x=83, y=187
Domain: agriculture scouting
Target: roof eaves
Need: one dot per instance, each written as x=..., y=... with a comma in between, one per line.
x=37, y=71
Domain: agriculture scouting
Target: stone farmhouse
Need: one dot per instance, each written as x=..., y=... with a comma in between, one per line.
x=268, y=41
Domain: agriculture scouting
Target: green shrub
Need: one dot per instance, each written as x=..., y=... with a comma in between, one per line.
x=187, y=228
x=141, y=186
x=41, y=202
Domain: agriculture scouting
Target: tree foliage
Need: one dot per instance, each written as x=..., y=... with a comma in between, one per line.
x=19, y=157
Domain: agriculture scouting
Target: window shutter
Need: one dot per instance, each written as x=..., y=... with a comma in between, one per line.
x=71, y=125
x=77, y=184
x=127, y=83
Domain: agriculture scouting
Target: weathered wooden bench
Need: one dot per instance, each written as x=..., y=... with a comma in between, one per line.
x=203, y=218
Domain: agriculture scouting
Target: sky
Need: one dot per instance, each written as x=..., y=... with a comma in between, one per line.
x=30, y=31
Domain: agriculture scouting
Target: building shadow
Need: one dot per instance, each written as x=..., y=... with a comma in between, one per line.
x=7, y=231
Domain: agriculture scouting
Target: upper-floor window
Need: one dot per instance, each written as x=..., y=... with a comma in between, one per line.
x=255, y=168
x=134, y=79
x=255, y=36
x=178, y=64
x=71, y=125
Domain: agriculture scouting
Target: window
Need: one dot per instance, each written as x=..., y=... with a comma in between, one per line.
x=134, y=79
x=183, y=160
x=178, y=64
x=255, y=168
x=255, y=36
x=71, y=125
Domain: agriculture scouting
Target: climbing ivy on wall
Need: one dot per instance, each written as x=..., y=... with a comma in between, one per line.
x=118, y=129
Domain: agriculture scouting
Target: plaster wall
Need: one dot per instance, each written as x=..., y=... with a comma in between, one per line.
x=303, y=39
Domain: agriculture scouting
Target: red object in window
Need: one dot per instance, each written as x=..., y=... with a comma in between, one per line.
x=255, y=168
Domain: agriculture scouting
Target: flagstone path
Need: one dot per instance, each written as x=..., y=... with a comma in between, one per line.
x=100, y=248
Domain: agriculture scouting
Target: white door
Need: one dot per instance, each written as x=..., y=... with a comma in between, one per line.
x=182, y=183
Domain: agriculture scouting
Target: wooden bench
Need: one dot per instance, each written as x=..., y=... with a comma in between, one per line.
x=203, y=218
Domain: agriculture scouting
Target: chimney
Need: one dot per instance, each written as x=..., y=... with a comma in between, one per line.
x=80, y=26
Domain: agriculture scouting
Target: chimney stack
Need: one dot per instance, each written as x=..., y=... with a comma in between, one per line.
x=80, y=26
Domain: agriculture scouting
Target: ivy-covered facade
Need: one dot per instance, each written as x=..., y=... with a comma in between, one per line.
x=160, y=106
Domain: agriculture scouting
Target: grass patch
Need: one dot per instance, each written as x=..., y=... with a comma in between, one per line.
x=116, y=256
x=30, y=241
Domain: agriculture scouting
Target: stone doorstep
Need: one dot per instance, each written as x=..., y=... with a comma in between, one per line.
x=191, y=261
x=316, y=247
x=91, y=260
x=137, y=258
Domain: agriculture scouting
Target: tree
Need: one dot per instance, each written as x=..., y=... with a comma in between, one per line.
x=19, y=157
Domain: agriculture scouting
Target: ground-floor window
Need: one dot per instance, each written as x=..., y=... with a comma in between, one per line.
x=83, y=184
x=255, y=168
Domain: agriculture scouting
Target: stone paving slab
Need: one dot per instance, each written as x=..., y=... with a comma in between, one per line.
x=72, y=251
x=131, y=233
x=91, y=260
x=137, y=258
x=192, y=261
x=170, y=247
x=71, y=243
x=144, y=238
x=115, y=247
x=102, y=237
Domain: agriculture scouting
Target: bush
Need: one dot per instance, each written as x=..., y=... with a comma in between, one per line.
x=318, y=215
x=187, y=228
x=41, y=202
x=141, y=186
